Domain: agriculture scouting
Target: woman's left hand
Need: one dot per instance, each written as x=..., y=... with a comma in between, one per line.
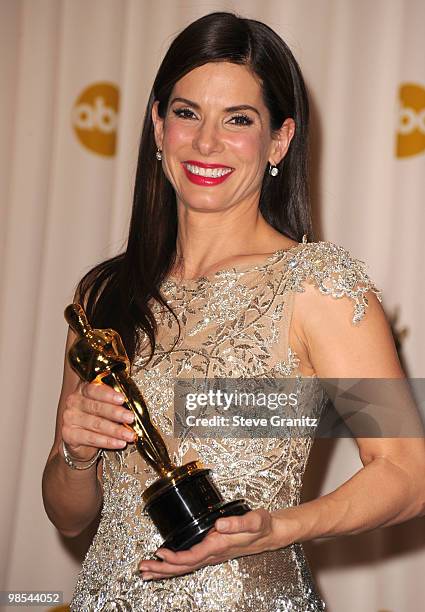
x=231, y=537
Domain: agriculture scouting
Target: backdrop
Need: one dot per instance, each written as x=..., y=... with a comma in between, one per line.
x=75, y=77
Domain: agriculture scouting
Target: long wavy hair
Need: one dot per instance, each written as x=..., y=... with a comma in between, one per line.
x=118, y=292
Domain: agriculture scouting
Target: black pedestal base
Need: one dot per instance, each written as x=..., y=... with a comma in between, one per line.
x=195, y=531
x=185, y=505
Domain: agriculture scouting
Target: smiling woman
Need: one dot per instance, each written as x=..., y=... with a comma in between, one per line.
x=220, y=280
x=233, y=148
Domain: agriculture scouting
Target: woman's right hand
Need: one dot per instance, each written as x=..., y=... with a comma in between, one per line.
x=93, y=418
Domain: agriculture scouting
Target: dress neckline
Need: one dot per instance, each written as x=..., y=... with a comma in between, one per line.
x=173, y=281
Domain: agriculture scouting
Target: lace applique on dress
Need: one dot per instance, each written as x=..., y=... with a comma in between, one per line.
x=287, y=367
x=334, y=272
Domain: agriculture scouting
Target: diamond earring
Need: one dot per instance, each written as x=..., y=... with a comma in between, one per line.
x=273, y=170
x=158, y=154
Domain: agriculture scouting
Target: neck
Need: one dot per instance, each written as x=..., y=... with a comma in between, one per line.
x=209, y=240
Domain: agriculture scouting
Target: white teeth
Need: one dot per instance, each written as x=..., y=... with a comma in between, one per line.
x=211, y=172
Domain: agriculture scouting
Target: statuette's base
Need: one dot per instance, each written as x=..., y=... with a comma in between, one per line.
x=185, y=504
x=198, y=528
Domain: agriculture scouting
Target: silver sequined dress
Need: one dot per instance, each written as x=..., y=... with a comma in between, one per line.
x=234, y=323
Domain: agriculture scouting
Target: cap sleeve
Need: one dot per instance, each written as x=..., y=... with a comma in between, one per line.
x=335, y=272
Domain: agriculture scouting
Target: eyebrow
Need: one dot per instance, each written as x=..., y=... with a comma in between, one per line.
x=229, y=109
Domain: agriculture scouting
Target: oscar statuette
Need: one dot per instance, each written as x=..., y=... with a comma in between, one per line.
x=184, y=502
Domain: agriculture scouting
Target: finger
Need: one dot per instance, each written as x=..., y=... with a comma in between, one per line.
x=108, y=428
x=212, y=545
x=102, y=393
x=251, y=522
x=77, y=437
x=106, y=410
x=164, y=569
x=157, y=576
x=81, y=421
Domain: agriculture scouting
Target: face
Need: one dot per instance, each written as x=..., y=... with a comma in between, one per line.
x=216, y=139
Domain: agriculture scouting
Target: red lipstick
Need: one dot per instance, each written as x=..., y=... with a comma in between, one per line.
x=206, y=181
x=193, y=162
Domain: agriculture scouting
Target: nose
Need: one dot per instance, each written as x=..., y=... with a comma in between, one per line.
x=207, y=138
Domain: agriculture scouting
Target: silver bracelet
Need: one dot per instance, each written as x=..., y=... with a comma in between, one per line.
x=69, y=459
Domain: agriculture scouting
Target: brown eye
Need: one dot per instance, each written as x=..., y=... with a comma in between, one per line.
x=183, y=113
x=242, y=120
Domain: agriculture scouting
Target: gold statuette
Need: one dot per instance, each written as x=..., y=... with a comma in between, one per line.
x=184, y=502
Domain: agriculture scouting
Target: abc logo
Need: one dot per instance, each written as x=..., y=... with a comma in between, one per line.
x=95, y=118
x=411, y=120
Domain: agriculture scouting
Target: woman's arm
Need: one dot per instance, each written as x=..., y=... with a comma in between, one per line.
x=90, y=416
x=390, y=488
x=384, y=492
x=72, y=498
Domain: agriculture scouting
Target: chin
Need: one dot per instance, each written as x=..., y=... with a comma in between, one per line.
x=204, y=207
x=210, y=204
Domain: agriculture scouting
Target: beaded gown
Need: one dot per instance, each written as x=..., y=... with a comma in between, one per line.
x=234, y=324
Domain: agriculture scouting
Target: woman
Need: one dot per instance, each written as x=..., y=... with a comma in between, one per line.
x=219, y=280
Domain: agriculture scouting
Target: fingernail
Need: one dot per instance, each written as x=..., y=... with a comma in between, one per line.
x=147, y=577
x=128, y=417
x=223, y=524
x=160, y=555
x=118, y=397
x=143, y=568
